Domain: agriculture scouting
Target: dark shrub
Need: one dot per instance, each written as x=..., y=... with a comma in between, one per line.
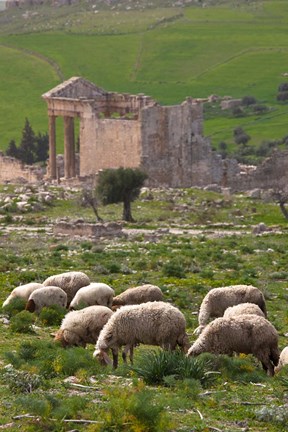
x=248, y=100
x=282, y=96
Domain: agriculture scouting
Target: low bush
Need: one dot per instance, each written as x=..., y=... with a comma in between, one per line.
x=50, y=407
x=15, y=306
x=49, y=359
x=22, y=322
x=173, y=268
x=52, y=315
x=20, y=381
x=133, y=409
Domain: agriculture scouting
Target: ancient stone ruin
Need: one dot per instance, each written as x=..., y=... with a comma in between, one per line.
x=13, y=170
x=123, y=130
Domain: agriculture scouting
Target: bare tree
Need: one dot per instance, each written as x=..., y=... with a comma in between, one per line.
x=281, y=198
x=88, y=198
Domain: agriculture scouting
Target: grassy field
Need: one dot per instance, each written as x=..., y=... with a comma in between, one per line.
x=235, y=49
x=56, y=386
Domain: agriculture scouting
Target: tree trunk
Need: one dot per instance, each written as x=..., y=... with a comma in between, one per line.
x=99, y=219
x=283, y=209
x=127, y=216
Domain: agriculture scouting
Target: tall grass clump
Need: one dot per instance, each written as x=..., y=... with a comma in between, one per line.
x=155, y=368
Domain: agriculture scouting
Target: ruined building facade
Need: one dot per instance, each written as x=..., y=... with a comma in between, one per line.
x=123, y=130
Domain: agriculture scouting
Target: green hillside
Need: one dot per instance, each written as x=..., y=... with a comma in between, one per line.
x=235, y=48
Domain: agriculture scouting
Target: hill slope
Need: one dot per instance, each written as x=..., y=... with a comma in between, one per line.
x=233, y=48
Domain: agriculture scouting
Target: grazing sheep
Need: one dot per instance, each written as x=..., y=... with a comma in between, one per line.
x=44, y=297
x=283, y=360
x=248, y=334
x=243, y=308
x=93, y=294
x=138, y=295
x=152, y=323
x=22, y=291
x=83, y=326
x=70, y=282
x=219, y=299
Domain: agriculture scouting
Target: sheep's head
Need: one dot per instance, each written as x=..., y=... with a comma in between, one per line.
x=184, y=343
x=30, y=306
x=59, y=336
x=117, y=302
x=103, y=357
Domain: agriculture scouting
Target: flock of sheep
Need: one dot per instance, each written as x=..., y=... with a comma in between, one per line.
x=231, y=319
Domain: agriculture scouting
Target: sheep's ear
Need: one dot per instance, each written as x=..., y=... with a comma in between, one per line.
x=30, y=306
x=53, y=335
x=102, y=357
x=198, y=330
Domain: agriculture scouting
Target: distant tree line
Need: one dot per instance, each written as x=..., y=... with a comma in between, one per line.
x=32, y=148
x=247, y=154
x=252, y=154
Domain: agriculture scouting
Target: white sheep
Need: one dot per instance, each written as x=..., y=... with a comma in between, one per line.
x=247, y=334
x=83, y=326
x=283, y=360
x=45, y=297
x=217, y=300
x=22, y=291
x=138, y=295
x=70, y=282
x=243, y=308
x=152, y=323
x=93, y=294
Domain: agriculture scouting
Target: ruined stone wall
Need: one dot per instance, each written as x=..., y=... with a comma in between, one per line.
x=122, y=104
x=12, y=170
x=108, y=143
x=271, y=174
x=174, y=152
x=79, y=228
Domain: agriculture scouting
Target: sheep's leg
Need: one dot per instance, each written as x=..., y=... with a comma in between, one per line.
x=268, y=367
x=131, y=353
x=124, y=356
x=271, y=371
x=115, y=357
x=125, y=351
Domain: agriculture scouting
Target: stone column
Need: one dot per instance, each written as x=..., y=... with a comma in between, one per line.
x=69, y=148
x=52, y=147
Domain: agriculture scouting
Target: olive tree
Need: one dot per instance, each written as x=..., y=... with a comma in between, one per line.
x=120, y=185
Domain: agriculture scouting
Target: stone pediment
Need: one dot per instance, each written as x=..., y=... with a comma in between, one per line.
x=75, y=88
